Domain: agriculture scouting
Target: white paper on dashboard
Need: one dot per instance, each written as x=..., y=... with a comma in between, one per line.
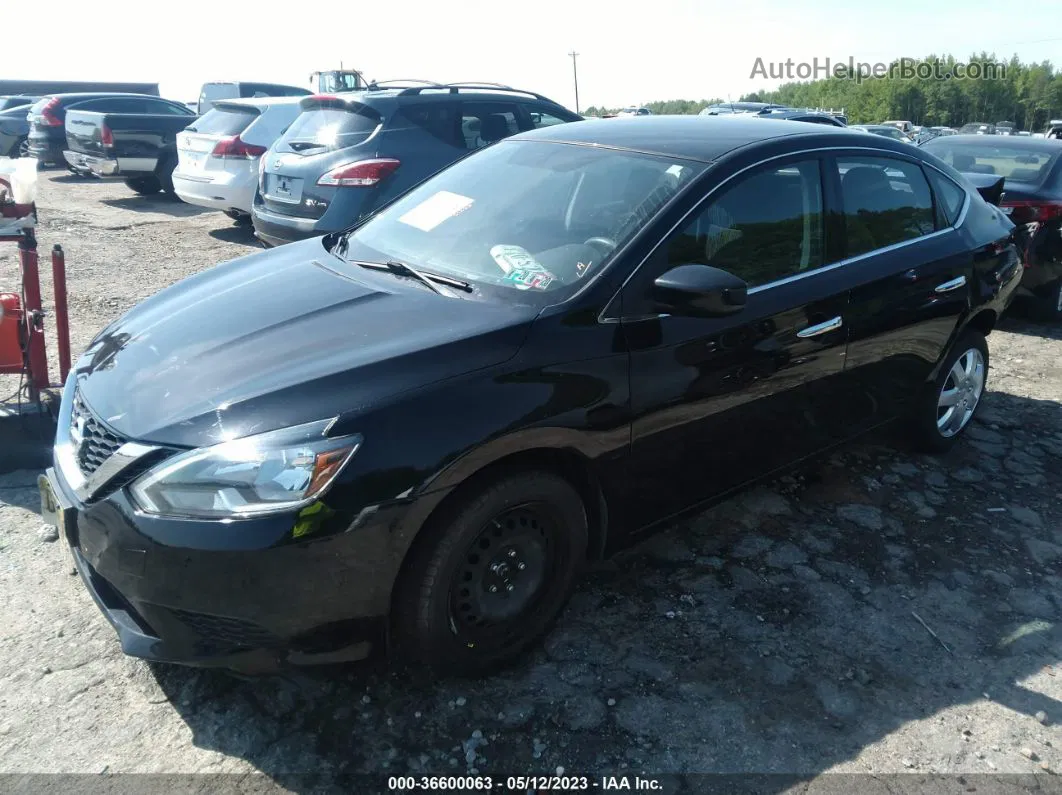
x=434, y=210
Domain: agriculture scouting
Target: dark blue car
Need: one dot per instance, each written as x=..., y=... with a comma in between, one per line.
x=350, y=153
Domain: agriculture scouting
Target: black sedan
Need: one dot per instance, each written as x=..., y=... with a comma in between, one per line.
x=1032, y=173
x=415, y=432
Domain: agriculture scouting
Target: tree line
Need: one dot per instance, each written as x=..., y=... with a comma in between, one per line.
x=1027, y=95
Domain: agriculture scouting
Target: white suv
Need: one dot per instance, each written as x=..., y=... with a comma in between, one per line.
x=218, y=153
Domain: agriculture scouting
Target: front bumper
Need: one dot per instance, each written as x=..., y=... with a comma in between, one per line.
x=100, y=166
x=242, y=595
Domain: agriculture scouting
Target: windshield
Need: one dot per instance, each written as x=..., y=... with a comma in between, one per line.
x=1016, y=162
x=524, y=218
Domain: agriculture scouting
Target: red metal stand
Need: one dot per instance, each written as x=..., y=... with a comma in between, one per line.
x=62, y=322
x=35, y=365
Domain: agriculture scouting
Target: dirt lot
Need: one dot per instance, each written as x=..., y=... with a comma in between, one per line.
x=776, y=633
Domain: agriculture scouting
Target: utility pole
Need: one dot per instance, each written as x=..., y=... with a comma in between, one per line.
x=575, y=75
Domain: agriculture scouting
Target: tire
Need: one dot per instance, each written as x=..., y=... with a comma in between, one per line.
x=1048, y=307
x=524, y=535
x=964, y=375
x=145, y=186
x=22, y=148
x=164, y=174
x=240, y=219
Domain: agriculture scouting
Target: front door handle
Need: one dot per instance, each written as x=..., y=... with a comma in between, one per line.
x=954, y=284
x=821, y=328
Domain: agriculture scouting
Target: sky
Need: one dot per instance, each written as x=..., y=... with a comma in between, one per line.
x=628, y=52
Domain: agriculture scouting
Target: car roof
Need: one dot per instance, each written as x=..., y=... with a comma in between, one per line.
x=98, y=94
x=258, y=102
x=703, y=138
x=988, y=141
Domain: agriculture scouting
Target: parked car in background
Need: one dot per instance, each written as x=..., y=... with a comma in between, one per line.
x=886, y=131
x=977, y=128
x=47, y=118
x=634, y=110
x=411, y=435
x=135, y=142
x=218, y=154
x=212, y=92
x=726, y=108
x=804, y=116
x=16, y=101
x=902, y=126
x=14, y=129
x=350, y=153
x=1032, y=172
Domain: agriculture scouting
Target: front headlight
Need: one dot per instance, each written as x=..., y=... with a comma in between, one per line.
x=270, y=472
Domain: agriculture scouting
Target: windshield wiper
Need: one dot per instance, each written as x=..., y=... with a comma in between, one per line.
x=432, y=280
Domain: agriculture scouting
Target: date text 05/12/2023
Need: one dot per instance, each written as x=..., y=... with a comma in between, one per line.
x=524, y=784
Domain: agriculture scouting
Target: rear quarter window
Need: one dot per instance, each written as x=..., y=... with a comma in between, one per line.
x=223, y=122
x=437, y=119
x=950, y=197
x=330, y=129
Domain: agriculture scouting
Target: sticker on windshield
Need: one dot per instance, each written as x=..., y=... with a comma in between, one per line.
x=530, y=279
x=510, y=258
x=434, y=210
x=581, y=268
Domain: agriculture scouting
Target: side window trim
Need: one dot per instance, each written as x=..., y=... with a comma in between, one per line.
x=613, y=312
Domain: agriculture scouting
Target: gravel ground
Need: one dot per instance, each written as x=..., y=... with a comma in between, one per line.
x=781, y=632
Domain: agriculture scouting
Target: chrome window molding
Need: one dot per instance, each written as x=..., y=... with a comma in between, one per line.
x=606, y=317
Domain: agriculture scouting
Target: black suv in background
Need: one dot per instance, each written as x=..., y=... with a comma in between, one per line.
x=47, y=118
x=349, y=153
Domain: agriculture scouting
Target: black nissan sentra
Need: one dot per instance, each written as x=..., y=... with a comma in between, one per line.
x=414, y=433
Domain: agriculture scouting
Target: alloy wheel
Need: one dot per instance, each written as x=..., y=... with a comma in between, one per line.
x=960, y=393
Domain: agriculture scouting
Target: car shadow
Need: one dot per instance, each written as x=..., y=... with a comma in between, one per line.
x=156, y=203
x=237, y=233
x=785, y=631
x=1018, y=322
x=64, y=179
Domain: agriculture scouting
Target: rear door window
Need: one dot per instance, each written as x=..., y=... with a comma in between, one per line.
x=483, y=123
x=438, y=119
x=330, y=129
x=886, y=201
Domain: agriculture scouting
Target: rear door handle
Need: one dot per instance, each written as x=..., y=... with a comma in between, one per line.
x=821, y=328
x=954, y=284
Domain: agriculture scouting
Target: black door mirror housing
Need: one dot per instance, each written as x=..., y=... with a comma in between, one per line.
x=699, y=291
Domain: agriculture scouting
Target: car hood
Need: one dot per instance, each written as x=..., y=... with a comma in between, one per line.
x=282, y=337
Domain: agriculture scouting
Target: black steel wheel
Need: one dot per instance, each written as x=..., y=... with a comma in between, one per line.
x=486, y=587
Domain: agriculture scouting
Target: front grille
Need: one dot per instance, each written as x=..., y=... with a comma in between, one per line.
x=231, y=632
x=94, y=442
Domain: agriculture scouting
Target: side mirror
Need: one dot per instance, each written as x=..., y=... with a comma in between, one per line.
x=699, y=291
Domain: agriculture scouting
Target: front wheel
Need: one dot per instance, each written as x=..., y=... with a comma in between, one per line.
x=491, y=577
x=952, y=399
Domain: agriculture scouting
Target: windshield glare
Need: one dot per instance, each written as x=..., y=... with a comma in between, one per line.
x=536, y=217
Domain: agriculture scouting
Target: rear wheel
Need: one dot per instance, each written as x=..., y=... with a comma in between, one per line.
x=241, y=219
x=164, y=173
x=490, y=579
x=145, y=186
x=22, y=150
x=952, y=400
x=1049, y=305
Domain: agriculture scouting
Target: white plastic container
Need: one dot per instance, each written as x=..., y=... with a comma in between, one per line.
x=21, y=174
